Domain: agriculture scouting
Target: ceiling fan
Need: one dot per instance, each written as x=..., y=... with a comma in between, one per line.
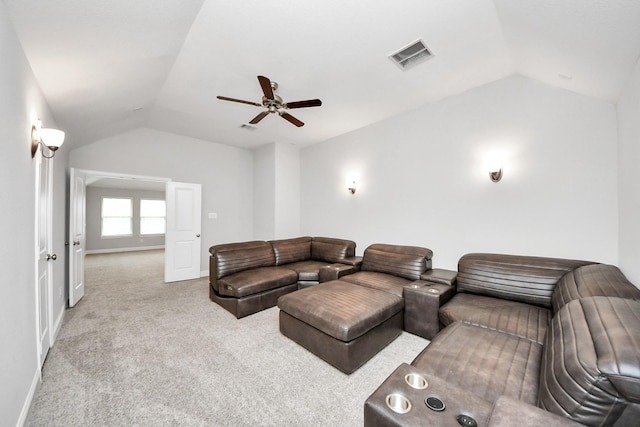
x=274, y=103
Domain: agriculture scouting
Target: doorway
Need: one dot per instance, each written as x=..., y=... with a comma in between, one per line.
x=85, y=217
x=183, y=221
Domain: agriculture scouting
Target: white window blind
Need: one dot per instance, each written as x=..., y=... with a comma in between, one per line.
x=153, y=215
x=117, y=217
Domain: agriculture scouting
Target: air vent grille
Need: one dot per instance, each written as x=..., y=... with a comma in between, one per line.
x=411, y=55
x=246, y=126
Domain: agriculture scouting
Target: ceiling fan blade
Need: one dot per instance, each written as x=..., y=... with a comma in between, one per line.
x=303, y=104
x=291, y=119
x=265, y=83
x=224, y=98
x=259, y=117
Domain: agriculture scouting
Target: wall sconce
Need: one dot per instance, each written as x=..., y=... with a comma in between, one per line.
x=351, y=182
x=352, y=187
x=493, y=163
x=50, y=138
x=495, y=174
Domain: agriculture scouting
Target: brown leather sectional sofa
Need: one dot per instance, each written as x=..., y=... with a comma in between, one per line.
x=515, y=340
x=248, y=277
x=526, y=341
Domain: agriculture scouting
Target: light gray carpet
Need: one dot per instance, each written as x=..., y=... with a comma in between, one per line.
x=137, y=351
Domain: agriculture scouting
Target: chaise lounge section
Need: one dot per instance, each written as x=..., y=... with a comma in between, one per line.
x=345, y=322
x=248, y=277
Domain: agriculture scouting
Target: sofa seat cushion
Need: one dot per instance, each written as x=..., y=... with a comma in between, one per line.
x=381, y=281
x=591, y=363
x=256, y=280
x=523, y=320
x=485, y=362
x=307, y=270
x=341, y=310
x=590, y=281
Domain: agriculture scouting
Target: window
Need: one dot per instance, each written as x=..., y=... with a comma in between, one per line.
x=117, y=217
x=153, y=215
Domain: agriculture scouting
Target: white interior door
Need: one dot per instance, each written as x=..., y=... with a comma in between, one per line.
x=77, y=239
x=44, y=257
x=182, y=239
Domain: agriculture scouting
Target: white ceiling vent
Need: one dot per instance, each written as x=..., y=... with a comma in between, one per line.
x=410, y=55
x=247, y=126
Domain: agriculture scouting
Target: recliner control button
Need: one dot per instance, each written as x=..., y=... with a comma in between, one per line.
x=466, y=421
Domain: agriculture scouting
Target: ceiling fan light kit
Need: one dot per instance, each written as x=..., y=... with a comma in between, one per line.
x=274, y=103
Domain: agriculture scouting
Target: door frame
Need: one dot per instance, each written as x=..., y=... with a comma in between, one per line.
x=90, y=175
x=43, y=166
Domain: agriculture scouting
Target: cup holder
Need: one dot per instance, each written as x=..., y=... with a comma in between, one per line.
x=416, y=381
x=398, y=403
x=433, y=291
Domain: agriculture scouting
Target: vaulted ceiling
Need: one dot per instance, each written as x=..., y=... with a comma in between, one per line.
x=106, y=67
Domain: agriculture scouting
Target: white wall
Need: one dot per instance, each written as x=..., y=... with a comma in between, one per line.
x=21, y=104
x=226, y=175
x=276, y=191
x=629, y=177
x=423, y=180
x=287, y=197
x=264, y=191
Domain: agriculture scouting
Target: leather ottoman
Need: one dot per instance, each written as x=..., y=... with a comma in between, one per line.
x=342, y=323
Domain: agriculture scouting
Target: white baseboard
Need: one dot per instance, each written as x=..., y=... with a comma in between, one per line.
x=36, y=378
x=111, y=251
x=57, y=324
x=204, y=273
x=27, y=404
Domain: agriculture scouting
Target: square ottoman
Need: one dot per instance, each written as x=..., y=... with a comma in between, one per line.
x=342, y=323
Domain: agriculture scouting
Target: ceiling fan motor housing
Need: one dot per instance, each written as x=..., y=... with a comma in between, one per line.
x=276, y=102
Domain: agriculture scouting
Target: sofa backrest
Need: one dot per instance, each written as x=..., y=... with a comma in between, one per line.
x=287, y=251
x=231, y=258
x=328, y=249
x=526, y=279
x=592, y=280
x=590, y=369
x=402, y=261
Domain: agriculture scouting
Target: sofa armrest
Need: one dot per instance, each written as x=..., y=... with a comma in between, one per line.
x=352, y=260
x=438, y=275
x=508, y=412
x=422, y=300
x=335, y=271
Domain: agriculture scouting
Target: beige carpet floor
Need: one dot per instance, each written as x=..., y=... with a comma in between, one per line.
x=137, y=351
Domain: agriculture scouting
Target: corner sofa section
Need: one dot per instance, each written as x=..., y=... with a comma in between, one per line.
x=248, y=277
x=541, y=334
